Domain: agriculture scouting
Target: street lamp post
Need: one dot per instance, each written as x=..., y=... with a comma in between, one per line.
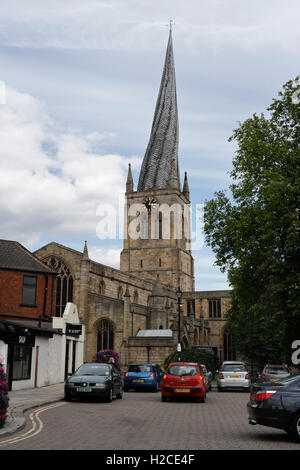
x=179, y=302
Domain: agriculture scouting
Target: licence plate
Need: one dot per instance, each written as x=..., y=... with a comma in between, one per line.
x=234, y=376
x=138, y=381
x=182, y=390
x=83, y=389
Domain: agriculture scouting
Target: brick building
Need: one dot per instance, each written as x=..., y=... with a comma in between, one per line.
x=134, y=310
x=27, y=302
x=27, y=285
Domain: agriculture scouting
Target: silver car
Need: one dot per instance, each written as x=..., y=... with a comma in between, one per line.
x=274, y=373
x=207, y=377
x=233, y=375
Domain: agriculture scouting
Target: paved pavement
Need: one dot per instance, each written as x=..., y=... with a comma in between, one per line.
x=23, y=400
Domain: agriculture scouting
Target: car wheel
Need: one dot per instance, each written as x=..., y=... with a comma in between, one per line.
x=126, y=389
x=120, y=394
x=220, y=389
x=110, y=396
x=202, y=399
x=164, y=398
x=295, y=429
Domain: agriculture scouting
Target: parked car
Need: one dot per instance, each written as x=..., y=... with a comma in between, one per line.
x=273, y=373
x=207, y=377
x=233, y=375
x=184, y=379
x=143, y=376
x=94, y=380
x=277, y=405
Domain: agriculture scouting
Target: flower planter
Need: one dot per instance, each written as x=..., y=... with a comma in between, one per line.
x=4, y=400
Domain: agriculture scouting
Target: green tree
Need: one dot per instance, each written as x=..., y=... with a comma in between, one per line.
x=194, y=355
x=254, y=227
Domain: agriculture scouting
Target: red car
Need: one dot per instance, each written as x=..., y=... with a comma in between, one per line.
x=184, y=379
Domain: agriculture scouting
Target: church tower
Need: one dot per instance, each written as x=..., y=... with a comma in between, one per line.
x=157, y=217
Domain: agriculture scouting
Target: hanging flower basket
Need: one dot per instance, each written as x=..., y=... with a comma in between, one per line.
x=108, y=356
x=3, y=397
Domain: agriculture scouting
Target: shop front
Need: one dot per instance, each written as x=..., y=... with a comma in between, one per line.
x=24, y=349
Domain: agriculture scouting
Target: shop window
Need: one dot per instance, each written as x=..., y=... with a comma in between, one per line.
x=29, y=290
x=22, y=362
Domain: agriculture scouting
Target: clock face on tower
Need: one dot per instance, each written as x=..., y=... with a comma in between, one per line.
x=149, y=202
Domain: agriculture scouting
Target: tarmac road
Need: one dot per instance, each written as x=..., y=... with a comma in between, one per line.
x=140, y=421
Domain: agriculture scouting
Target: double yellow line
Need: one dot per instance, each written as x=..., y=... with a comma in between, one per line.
x=37, y=425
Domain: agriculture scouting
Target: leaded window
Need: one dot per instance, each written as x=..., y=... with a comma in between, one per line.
x=105, y=337
x=64, y=285
x=214, y=308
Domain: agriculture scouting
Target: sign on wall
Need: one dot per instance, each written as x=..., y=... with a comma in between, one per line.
x=73, y=330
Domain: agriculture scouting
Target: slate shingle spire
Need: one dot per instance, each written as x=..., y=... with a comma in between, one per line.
x=163, y=143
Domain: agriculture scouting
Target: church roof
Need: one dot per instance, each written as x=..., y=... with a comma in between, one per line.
x=154, y=333
x=162, y=150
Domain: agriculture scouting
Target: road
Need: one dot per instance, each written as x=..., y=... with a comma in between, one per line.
x=141, y=421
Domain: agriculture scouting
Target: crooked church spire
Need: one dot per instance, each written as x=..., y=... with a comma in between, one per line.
x=162, y=151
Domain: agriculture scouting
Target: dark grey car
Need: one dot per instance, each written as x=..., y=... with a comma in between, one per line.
x=95, y=380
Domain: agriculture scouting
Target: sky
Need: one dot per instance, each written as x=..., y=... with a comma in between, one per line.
x=79, y=81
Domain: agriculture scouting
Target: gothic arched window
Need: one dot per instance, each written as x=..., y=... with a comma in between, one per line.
x=64, y=285
x=105, y=335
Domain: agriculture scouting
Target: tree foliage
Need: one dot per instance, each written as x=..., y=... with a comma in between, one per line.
x=194, y=355
x=254, y=230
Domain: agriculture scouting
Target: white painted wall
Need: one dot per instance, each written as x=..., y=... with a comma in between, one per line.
x=3, y=354
x=49, y=371
x=52, y=351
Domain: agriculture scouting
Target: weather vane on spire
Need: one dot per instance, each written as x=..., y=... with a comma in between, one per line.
x=171, y=24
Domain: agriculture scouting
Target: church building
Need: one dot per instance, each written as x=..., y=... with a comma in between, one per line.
x=144, y=309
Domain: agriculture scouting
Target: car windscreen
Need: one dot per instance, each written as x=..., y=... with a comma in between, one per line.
x=233, y=368
x=140, y=368
x=93, y=369
x=180, y=371
x=276, y=370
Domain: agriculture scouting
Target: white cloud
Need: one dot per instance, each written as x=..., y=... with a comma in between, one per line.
x=106, y=256
x=51, y=184
x=94, y=24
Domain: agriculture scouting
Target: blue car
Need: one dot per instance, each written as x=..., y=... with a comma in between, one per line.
x=143, y=376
